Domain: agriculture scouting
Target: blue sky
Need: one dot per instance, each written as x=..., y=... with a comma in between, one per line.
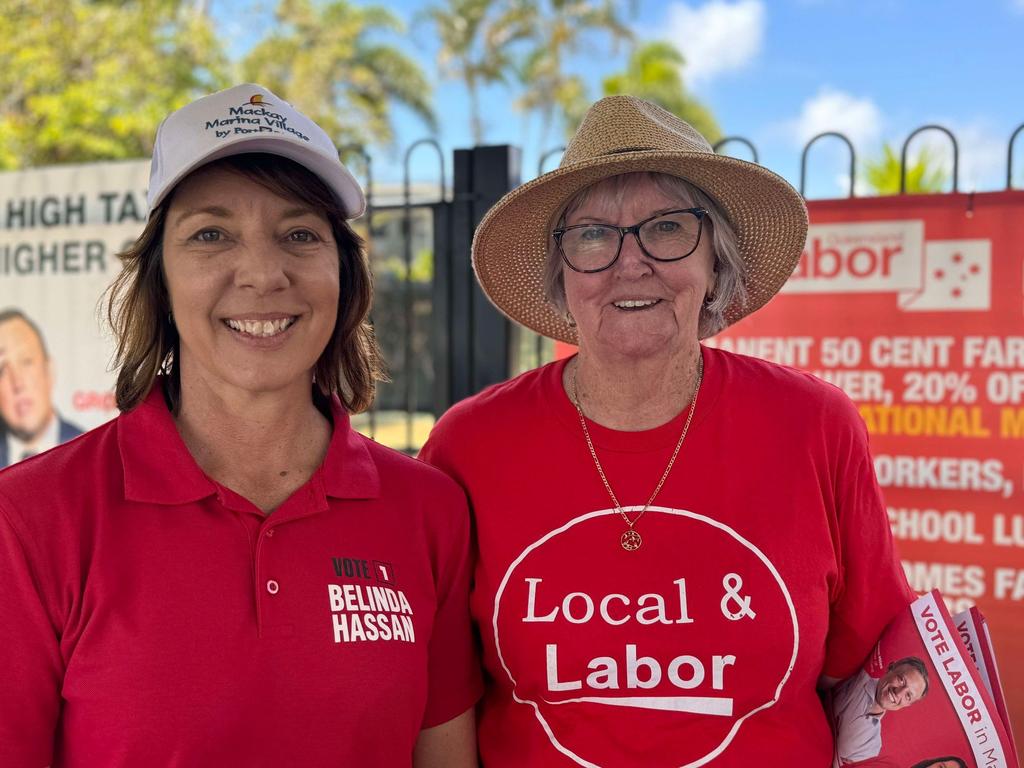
x=778, y=72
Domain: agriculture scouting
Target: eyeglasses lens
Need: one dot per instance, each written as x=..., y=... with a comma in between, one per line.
x=668, y=237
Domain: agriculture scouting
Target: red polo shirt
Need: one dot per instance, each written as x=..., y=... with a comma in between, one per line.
x=149, y=616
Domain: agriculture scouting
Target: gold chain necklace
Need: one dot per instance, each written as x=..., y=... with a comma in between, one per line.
x=631, y=539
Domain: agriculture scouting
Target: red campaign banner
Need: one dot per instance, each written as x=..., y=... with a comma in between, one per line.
x=914, y=305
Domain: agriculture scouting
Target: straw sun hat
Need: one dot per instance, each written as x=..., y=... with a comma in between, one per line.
x=623, y=134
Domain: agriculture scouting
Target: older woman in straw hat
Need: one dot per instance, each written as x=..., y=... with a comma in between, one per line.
x=227, y=574
x=676, y=545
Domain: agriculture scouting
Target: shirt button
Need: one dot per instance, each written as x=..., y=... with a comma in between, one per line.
x=270, y=532
x=272, y=587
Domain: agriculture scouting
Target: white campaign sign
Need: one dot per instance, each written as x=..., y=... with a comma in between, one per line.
x=60, y=230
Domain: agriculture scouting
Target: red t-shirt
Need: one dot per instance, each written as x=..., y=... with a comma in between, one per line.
x=149, y=616
x=766, y=561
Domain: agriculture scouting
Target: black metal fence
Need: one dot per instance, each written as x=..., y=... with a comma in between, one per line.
x=442, y=339
x=440, y=335
x=904, y=149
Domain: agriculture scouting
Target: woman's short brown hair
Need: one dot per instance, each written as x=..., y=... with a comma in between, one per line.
x=139, y=309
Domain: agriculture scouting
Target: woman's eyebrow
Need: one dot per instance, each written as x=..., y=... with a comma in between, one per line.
x=659, y=212
x=224, y=213
x=213, y=210
x=298, y=212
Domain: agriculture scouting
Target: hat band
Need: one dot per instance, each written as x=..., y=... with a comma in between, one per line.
x=630, y=149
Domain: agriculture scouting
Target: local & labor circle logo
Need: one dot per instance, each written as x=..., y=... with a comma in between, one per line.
x=665, y=651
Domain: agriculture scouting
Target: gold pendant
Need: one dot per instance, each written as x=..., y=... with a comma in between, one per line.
x=631, y=540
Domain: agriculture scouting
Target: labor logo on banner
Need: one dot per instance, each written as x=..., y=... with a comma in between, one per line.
x=894, y=257
x=658, y=655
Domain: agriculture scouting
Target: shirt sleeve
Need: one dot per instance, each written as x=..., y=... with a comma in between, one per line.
x=31, y=666
x=454, y=682
x=871, y=588
x=439, y=448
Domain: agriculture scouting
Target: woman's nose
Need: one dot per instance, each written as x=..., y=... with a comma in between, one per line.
x=262, y=267
x=632, y=258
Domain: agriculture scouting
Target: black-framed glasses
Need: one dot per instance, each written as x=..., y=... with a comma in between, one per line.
x=669, y=236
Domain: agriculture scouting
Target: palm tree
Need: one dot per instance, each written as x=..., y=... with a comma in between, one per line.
x=84, y=81
x=654, y=73
x=325, y=60
x=563, y=28
x=477, y=38
x=924, y=174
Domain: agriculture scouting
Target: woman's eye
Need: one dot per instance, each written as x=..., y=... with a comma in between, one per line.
x=207, y=236
x=593, y=234
x=303, y=236
x=667, y=226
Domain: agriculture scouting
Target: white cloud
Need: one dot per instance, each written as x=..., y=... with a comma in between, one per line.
x=717, y=37
x=833, y=110
x=982, y=157
x=982, y=161
x=861, y=188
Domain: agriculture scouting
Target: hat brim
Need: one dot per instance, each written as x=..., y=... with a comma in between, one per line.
x=512, y=242
x=344, y=186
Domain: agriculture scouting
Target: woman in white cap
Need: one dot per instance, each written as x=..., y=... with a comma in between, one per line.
x=676, y=546
x=227, y=573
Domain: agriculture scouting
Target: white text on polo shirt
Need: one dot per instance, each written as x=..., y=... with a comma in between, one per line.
x=640, y=672
x=366, y=613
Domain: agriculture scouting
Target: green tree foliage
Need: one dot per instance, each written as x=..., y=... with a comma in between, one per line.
x=654, y=73
x=478, y=39
x=83, y=80
x=328, y=60
x=562, y=29
x=924, y=173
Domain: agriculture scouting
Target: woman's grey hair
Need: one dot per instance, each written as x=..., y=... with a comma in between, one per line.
x=730, y=283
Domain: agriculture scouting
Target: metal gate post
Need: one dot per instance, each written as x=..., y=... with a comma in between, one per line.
x=472, y=340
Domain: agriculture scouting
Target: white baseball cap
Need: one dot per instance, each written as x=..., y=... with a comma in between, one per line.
x=246, y=118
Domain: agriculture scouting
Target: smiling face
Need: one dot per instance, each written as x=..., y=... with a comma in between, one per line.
x=902, y=686
x=25, y=381
x=253, y=281
x=638, y=307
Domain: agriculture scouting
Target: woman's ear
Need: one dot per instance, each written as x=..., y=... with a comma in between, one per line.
x=709, y=296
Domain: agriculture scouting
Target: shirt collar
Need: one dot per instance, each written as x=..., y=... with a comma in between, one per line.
x=348, y=471
x=157, y=466
x=868, y=691
x=159, y=469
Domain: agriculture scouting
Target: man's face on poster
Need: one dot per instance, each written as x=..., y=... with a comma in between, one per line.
x=902, y=686
x=25, y=381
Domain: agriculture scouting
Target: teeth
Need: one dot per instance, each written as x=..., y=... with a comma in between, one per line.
x=261, y=328
x=632, y=303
